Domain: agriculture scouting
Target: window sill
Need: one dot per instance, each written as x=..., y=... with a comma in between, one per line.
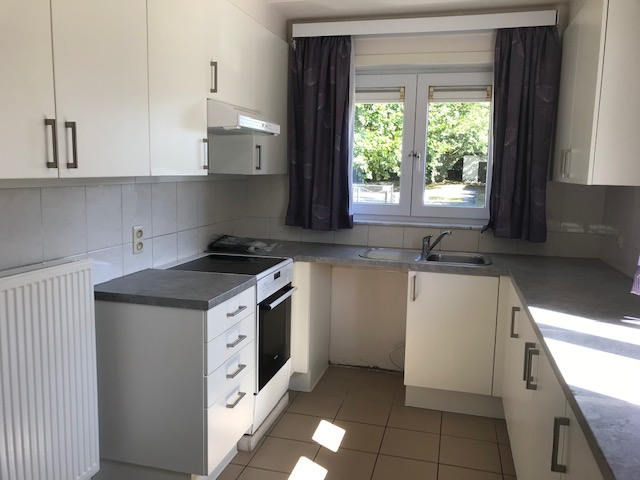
x=457, y=224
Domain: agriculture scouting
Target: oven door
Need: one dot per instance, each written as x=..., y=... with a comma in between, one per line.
x=274, y=334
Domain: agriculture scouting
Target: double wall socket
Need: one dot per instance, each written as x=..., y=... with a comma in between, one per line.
x=138, y=240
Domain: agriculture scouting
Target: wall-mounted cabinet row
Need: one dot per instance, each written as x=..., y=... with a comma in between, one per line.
x=119, y=89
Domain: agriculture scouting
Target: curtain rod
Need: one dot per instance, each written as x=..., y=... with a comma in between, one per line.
x=447, y=24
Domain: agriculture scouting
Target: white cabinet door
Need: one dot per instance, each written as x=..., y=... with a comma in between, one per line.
x=100, y=58
x=230, y=44
x=26, y=89
x=577, y=457
x=451, y=328
x=178, y=83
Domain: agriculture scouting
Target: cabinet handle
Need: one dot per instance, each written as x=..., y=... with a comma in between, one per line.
x=214, y=77
x=525, y=371
x=557, y=423
x=259, y=164
x=240, y=309
x=513, y=321
x=414, y=295
x=237, y=401
x=205, y=148
x=237, y=342
x=240, y=368
x=530, y=353
x=74, y=143
x=566, y=162
x=51, y=122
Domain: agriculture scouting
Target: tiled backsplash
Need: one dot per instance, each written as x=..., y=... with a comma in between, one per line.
x=180, y=218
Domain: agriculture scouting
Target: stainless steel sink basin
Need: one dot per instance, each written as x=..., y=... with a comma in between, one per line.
x=391, y=254
x=459, y=258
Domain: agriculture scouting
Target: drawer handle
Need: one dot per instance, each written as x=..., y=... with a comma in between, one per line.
x=237, y=372
x=235, y=344
x=237, y=401
x=513, y=321
x=530, y=353
x=557, y=423
x=526, y=370
x=241, y=308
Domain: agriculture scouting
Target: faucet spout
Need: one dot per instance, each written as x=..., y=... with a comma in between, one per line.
x=427, y=246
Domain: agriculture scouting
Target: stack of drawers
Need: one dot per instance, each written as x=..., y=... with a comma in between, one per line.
x=229, y=373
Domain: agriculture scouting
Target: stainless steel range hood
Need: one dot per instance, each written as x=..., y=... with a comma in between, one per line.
x=226, y=119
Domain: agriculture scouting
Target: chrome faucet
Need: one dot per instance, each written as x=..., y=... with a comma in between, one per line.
x=427, y=246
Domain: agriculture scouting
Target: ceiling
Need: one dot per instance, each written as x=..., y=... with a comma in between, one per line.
x=327, y=9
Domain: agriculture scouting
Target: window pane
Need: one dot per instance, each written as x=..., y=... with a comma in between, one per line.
x=377, y=152
x=457, y=153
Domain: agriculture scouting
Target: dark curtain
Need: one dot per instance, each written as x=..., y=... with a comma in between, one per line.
x=319, y=133
x=526, y=80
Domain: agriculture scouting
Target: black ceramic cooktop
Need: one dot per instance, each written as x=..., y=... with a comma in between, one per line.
x=229, y=264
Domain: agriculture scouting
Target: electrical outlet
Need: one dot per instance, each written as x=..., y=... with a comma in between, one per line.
x=138, y=240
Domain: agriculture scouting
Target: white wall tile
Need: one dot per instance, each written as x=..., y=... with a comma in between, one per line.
x=206, y=203
x=134, y=263
x=279, y=231
x=547, y=249
x=358, y=235
x=206, y=235
x=252, y=227
x=187, y=243
x=165, y=249
x=20, y=227
x=490, y=244
x=460, y=241
x=107, y=264
x=412, y=236
x=317, y=236
x=104, y=216
x=164, y=204
x=259, y=196
x=623, y=258
x=64, y=221
x=187, y=194
x=555, y=205
x=583, y=208
x=279, y=195
x=136, y=210
x=579, y=245
x=383, y=236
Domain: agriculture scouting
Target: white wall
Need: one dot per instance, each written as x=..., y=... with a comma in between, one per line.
x=621, y=242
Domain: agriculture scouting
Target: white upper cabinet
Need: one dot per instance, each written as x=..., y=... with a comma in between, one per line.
x=26, y=90
x=597, y=111
x=101, y=89
x=230, y=47
x=178, y=86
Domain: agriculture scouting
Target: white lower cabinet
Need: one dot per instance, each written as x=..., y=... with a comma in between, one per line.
x=546, y=440
x=176, y=386
x=451, y=331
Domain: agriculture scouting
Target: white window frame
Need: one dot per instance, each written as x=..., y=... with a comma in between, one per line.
x=410, y=209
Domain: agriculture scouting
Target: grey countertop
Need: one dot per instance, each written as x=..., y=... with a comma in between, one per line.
x=174, y=288
x=587, y=320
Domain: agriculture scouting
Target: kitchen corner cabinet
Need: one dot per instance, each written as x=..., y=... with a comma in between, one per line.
x=175, y=386
x=99, y=127
x=533, y=402
x=598, y=110
x=178, y=85
x=451, y=331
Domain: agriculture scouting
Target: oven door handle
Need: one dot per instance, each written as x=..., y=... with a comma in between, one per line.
x=288, y=291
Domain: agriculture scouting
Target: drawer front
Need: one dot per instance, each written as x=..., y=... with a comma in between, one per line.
x=226, y=424
x=230, y=342
x=228, y=313
x=229, y=373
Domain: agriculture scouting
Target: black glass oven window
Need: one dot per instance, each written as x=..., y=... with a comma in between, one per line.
x=274, y=332
x=229, y=264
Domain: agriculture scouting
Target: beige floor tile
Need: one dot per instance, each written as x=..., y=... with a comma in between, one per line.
x=372, y=394
x=508, y=477
x=231, y=472
x=469, y=426
x=501, y=431
x=447, y=472
x=411, y=418
x=292, y=395
x=394, y=468
x=376, y=379
x=410, y=444
x=250, y=473
x=325, y=406
x=282, y=455
x=346, y=464
x=470, y=453
x=362, y=437
x=293, y=426
x=364, y=411
x=400, y=397
x=506, y=459
x=243, y=458
x=336, y=381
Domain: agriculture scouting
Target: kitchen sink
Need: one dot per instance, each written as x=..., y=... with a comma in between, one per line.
x=459, y=258
x=391, y=254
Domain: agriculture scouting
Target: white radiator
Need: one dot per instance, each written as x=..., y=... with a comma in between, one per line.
x=48, y=389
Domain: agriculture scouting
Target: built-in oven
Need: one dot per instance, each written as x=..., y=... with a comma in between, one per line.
x=274, y=334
